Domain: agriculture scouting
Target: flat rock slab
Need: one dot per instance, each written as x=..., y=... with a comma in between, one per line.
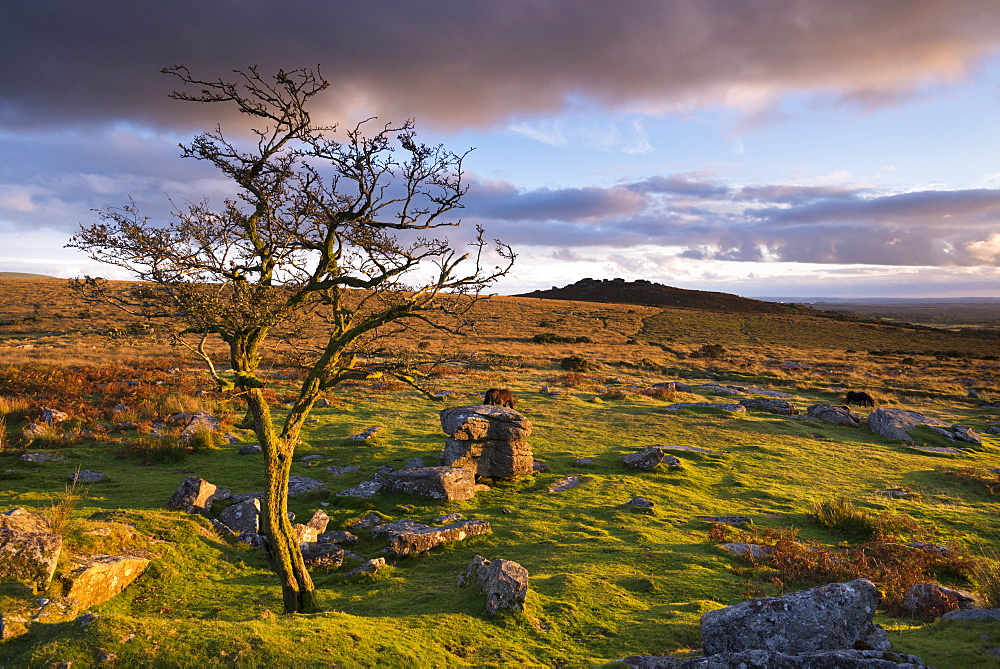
x=730, y=408
x=407, y=537
x=565, y=483
x=504, y=582
x=485, y=421
x=451, y=483
x=99, y=578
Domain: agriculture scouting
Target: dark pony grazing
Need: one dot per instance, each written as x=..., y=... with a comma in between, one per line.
x=500, y=397
x=860, y=398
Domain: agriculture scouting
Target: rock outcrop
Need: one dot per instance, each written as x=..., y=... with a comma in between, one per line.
x=828, y=617
x=309, y=532
x=450, y=483
x=490, y=441
x=504, y=582
x=195, y=495
x=199, y=421
x=97, y=578
x=896, y=424
x=771, y=405
x=29, y=557
x=835, y=413
x=649, y=459
x=770, y=659
x=242, y=517
x=930, y=600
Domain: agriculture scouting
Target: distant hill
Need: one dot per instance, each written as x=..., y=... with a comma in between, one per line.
x=24, y=275
x=647, y=293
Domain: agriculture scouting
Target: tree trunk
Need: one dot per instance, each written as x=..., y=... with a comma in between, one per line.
x=283, y=553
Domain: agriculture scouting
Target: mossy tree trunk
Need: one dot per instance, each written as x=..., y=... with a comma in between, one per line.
x=283, y=553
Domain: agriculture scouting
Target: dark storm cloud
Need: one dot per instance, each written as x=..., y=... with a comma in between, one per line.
x=481, y=62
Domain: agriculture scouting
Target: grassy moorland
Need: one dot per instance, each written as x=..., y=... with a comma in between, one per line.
x=608, y=580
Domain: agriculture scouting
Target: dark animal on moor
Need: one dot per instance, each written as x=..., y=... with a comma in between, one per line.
x=500, y=397
x=860, y=398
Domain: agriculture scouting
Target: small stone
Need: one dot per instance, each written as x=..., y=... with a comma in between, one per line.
x=735, y=521
x=640, y=502
x=649, y=458
x=754, y=550
x=249, y=448
x=565, y=483
x=369, y=520
x=338, y=537
x=366, y=434
x=86, y=619
x=52, y=416
x=584, y=461
x=337, y=471
x=36, y=457
x=86, y=476
x=311, y=458
x=369, y=567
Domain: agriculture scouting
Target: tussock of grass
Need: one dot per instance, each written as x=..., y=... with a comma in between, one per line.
x=987, y=578
x=844, y=516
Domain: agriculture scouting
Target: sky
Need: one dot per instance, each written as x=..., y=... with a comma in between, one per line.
x=766, y=148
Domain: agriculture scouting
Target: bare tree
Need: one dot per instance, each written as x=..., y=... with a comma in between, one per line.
x=320, y=227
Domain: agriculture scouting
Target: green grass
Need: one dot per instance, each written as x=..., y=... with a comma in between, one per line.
x=607, y=580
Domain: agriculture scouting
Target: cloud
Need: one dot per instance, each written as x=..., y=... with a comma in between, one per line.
x=502, y=200
x=702, y=218
x=480, y=62
x=606, y=137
